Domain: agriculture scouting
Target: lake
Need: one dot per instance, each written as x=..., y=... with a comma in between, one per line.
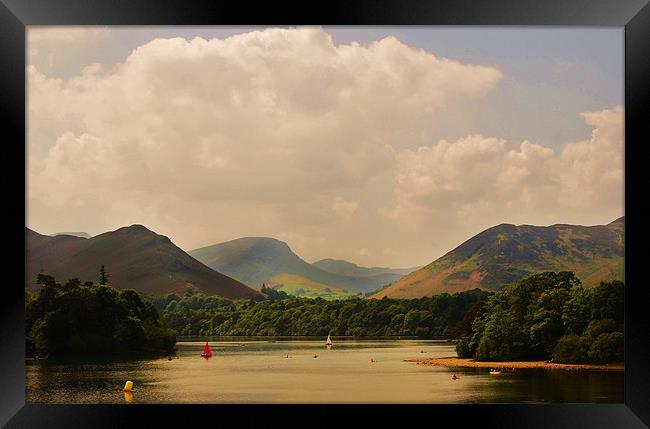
x=260, y=372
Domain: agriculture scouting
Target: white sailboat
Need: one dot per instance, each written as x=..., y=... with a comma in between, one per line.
x=329, y=341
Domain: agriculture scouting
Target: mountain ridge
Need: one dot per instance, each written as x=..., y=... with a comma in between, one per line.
x=80, y=234
x=505, y=253
x=341, y=266
x=134, y=256
x=265, y=260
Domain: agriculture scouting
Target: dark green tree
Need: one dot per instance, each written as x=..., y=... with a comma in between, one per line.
x=571, y=349
x=103, y=276
x=549, y=315
x=87, y=319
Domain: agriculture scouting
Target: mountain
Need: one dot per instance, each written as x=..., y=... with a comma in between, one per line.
x=258, y=260
x=382, y=275
x=505, y=253
x=134, y=256
x=74, y=234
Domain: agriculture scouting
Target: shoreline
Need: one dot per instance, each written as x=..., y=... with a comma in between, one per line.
x=456, y=362
x=185, y=339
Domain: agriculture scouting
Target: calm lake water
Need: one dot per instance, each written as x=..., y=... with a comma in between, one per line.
x=259, y=372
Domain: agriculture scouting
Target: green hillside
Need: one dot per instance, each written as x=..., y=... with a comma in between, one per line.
x=381, y=275
x=505, y=253
x=262, y=260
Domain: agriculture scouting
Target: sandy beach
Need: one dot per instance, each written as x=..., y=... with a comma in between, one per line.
x=456, y=362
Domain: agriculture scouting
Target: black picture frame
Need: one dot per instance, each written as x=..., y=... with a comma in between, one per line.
x=634, y=15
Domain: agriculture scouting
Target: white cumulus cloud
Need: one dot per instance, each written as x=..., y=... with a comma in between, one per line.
x=253, y=131
x=480, y=179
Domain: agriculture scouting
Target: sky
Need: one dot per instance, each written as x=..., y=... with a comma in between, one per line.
x=383, y=146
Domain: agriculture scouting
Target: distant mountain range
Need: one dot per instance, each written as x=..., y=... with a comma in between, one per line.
x=380, y=276
x=505, y=253
x=262, y=260
x=134, y=256
x=74, y=234
x=346, y=268
x=140, y=259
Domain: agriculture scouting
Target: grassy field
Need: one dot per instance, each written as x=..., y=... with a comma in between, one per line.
x=300, y=286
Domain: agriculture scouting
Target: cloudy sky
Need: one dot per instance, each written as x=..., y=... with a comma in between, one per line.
x=379, y=145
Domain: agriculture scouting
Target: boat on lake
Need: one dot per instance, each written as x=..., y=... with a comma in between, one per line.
x=500, y=371
x=329, y=341
x=206, y=351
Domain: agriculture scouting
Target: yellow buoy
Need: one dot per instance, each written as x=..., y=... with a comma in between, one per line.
x=128, y=386
x=128, y=397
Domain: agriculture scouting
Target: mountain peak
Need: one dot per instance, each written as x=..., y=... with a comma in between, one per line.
x=336, y=261
x=79, y=234
x=264, y=260
x=265, y=240
x=136, y=257
x=135, y=229
x=506, y=253
x=620, y=220
x=263, y=244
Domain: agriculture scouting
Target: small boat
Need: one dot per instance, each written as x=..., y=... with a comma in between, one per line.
x=315, y=356
x=455, y=377
x=372, y=360
x=495, y=372
x=329, y=341
x=206, y=351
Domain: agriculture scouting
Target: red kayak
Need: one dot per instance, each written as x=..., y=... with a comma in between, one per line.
x=206, y=351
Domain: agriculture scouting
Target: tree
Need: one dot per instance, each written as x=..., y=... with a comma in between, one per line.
x=87, y=319
x=598, y=327
x=47, y=294
x=464, y=327
x=281, y=314
x=608, y=347
x=571, y=349
x=608, y=300
x=103, y=276
x=548, y=314
x=576, y=313
x=503, y=338
x=547, y=325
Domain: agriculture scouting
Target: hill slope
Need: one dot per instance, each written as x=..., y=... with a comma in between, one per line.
x=134, y=256
x=74, y=234
x=381, y=275
x=505, y=253
x=346, y=268
x=257, y=260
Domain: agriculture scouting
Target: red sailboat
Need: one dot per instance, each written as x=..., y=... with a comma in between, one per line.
x=207, y=353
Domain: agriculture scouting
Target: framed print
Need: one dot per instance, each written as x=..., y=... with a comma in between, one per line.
x=299, y=213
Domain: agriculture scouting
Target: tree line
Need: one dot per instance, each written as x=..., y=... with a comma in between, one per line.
x=547, y=316
x=196, y=314
x=78, y=318
x=544, y=316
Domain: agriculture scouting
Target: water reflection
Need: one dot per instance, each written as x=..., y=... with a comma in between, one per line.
x=287, y=372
